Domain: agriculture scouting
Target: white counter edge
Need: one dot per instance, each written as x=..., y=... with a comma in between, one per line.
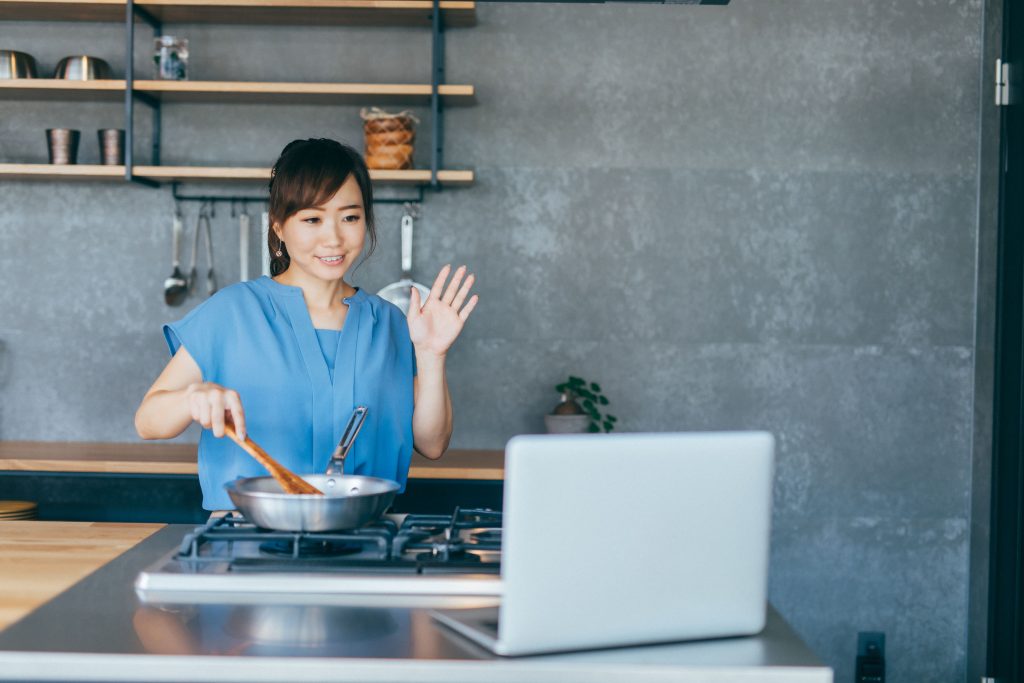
x=50, y=666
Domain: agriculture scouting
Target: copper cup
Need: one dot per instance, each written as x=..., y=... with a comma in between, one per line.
x=111, y=146
x=63, y=145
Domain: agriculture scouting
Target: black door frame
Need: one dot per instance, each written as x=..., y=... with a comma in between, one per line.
x=1005, y=647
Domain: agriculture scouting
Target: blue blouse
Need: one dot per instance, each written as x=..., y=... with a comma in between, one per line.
x=257, y=338
x=328, y=340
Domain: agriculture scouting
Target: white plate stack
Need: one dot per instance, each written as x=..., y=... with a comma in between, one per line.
x=11, y=510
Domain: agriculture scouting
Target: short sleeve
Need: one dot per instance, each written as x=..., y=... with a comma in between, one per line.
x=197, y=333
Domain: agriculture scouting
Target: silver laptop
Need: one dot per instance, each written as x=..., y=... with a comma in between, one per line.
x=623, y=539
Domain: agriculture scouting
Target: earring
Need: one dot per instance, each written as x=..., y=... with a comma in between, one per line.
x=279, y=253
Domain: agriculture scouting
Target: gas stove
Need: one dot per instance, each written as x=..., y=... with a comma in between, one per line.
x=413, y=560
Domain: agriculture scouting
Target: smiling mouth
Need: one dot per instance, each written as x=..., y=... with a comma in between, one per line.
x=332, y=260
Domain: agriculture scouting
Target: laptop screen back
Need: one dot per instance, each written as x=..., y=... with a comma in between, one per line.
x=617, y=539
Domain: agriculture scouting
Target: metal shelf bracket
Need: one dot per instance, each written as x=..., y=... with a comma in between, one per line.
x=130, y=95
x=437, y=77
x=178, y=197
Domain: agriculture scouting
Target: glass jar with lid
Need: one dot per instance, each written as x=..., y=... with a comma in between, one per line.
x=170, y=58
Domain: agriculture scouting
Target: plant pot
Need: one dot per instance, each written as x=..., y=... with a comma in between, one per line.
x=566, y=424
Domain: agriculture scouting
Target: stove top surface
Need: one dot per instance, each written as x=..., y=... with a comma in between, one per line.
x=413, y=559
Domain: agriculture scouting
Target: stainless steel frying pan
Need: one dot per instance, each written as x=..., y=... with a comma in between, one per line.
x=349, y=502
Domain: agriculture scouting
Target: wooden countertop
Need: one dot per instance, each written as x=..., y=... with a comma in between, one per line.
x=38, y=560
x=178, y=458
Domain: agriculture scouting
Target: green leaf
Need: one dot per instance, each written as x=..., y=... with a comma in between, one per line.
x=575, y=380
x=602, y=400
x=594, y=386
x=611, y=418
x=588, y=404
x=593, y=428
x=561, y=388
x=608, y=426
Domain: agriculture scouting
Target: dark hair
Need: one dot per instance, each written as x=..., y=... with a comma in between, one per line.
x=308, y=173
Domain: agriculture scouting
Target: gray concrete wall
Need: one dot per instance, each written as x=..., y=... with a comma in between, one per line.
x=762, y=215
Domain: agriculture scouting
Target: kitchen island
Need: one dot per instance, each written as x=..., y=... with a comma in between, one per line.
x=98, y=630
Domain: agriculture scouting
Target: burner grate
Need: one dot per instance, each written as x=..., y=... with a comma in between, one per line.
x=440, y=539
x=234, y=528
x=422, y=541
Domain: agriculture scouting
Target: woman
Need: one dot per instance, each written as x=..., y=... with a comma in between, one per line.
x=286, y=358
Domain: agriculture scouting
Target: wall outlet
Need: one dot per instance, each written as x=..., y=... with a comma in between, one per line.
x=870, y=657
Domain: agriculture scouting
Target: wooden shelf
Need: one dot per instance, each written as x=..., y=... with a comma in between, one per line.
x=303, y=93
x=314, y=12
x=238, y=91
x=419, y=176
x=229, y=92
x=232, y=173
x=60, y=89
x=52, y=172
x=43, y=10
x=207, y=173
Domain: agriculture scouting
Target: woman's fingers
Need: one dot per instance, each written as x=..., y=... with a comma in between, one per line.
x=233, y=403
x=217, y=413
x=453, y=286
x=438, y=286
x=211, y=405
x=463, y=292
x=200, y=409
x=414, y=302
x=468, y=308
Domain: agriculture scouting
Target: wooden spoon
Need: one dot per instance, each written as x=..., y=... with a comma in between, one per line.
x=289, y=481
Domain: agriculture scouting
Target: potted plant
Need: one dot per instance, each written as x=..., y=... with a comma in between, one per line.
x=579, y=409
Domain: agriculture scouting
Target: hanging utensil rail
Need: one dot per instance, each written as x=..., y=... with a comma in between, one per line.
x=416, y=199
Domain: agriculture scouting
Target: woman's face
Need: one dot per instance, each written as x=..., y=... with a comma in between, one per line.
x=324, y=241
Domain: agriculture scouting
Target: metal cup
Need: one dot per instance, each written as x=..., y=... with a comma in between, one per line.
x=111, y=146
x=63, y=145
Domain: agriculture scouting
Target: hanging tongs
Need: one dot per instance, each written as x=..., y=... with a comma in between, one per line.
x=203, y=225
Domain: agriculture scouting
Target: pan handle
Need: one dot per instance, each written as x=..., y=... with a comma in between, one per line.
x=337, y=464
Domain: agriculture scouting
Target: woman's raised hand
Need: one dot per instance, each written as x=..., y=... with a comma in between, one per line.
x=208, y=403
x=435, y=324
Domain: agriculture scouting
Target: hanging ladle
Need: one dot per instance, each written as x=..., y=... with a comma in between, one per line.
x=176, y=286
x=398, y=293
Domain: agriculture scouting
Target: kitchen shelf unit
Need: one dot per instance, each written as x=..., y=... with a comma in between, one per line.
x=437, y=14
